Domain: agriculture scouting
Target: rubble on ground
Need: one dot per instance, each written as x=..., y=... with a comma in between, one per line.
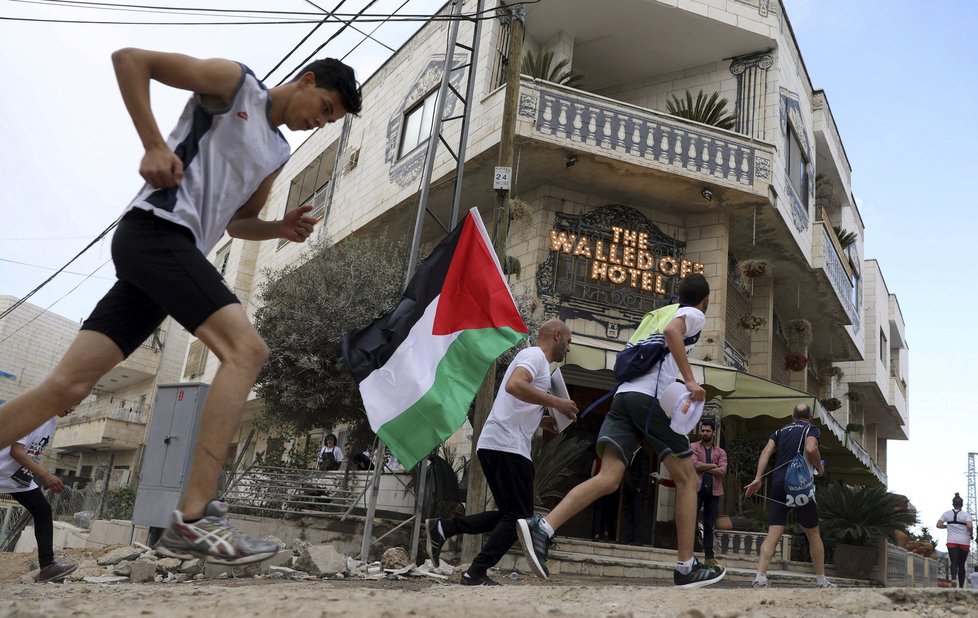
x=301, y=561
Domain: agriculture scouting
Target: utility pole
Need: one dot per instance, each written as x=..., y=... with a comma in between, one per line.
x=476, y=492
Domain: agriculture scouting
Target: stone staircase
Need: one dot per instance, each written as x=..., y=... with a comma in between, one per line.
x=577, y=557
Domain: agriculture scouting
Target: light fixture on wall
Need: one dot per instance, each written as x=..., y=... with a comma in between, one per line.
x=571, y=160
x=707, y=195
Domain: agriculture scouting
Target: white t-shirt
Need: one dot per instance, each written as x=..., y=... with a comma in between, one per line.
x=512, y=422
x=13, y=477
x=664, y=374
x=957, y=532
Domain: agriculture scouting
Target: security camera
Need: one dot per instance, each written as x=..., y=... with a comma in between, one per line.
x=707, y=195
x=571, y=160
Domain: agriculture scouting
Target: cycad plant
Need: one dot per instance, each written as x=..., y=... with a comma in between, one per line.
x=710, y=110
x=845, y=237
x=542, y=67
x=856, y=515
x=555, y=463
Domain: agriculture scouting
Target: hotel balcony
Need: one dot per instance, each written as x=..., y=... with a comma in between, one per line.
x=103, y=424
x=141, y=365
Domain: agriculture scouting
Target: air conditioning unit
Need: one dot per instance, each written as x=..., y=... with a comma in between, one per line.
x=352, y=160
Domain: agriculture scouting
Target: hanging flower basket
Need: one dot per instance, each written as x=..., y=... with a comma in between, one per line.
x=853, y=396
x=836, y=372
x=795, y=362
x=752, y=268
x=752, y=322
x=798, y=332
x=831, y=404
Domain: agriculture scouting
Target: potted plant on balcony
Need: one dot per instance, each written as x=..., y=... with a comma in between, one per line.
x=795, y=362
x=857, y=517
x=798, y=332
x=543, y=67
x=854, y=396
x=752, y=322
x=710, y=110
x=831, y=404
x=922, y=543
x=755, y=267
x=834, y=373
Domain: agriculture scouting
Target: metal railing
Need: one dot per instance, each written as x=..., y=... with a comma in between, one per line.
x=838, y=274
x=263, y=489
x=126, y=410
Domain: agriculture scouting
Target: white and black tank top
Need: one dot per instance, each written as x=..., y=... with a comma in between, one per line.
x=226, y=155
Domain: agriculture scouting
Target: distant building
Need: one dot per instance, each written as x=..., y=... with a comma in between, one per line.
x=32, y=341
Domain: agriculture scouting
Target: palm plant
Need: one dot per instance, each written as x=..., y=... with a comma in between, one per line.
x=845, y=237
x=710, y=110
x=554, y=463
x=856, y=515
x=542, y=67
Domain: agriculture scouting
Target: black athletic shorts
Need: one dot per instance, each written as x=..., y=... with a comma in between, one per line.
x=807, y=515
x=160, y=272
x=634, y=416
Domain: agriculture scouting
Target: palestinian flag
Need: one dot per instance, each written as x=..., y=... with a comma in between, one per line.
x=419, y=366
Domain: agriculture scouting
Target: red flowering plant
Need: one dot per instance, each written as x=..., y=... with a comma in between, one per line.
x=795, y=362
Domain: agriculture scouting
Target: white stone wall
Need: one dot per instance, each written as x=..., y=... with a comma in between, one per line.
x=33, y=343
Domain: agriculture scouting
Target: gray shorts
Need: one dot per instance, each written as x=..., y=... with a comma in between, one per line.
x=635, y=416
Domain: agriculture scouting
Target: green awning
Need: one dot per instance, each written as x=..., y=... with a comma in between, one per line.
x=750, y=397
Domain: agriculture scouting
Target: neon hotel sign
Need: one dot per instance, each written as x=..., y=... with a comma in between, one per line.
x=624, y=260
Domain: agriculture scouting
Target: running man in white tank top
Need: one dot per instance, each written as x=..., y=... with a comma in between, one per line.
x=212, y=175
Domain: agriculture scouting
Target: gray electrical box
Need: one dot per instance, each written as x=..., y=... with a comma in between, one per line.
x=169, y=452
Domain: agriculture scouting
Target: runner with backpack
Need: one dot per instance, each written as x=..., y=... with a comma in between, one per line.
x=653, y=359
x=795, y=448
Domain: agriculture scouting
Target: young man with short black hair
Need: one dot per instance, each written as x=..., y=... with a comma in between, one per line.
x=636, y=415
x=799, y=435
x=213, y=175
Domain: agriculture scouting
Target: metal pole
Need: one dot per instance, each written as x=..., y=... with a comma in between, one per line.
x=422, y=471
x=429, y=159
x=380, y=454
x=469, y=93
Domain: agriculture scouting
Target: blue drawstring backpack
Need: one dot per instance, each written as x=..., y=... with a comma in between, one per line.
x=799, y=485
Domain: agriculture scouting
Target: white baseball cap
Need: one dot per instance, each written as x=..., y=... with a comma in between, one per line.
x=682, y=412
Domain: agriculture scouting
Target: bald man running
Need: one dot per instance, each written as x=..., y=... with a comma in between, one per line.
x=504, y=452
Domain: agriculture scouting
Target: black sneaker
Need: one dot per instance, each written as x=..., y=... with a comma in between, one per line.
x=536, y=544
x=468, y=580
x=699, y=576
x=435, y=541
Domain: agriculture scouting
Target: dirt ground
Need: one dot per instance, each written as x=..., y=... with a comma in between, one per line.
x=527, y=596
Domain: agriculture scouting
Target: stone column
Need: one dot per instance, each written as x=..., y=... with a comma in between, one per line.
x=708, y=241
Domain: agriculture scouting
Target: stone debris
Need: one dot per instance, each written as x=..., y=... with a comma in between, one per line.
x=106, y=579
x=395, y=558
x=302, y=561
x=119, y=554
x=321, y=560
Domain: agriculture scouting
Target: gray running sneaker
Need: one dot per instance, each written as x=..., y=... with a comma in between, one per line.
x=214, y=539
x=760, y=583
x=536, y=544
x=825, y=584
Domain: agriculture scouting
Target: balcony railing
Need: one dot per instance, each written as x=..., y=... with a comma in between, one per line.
x=675, y=144
x=120, y=410
x=838, y=275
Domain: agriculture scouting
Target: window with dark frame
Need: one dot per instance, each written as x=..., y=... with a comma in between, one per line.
x=797, y=166
x=884, y=349
x=416, y=128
